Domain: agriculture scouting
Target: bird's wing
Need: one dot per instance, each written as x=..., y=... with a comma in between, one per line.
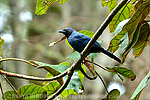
x=82, y=39
x=78, y=41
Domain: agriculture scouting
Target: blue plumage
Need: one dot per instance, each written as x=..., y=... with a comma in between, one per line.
x=78, y=41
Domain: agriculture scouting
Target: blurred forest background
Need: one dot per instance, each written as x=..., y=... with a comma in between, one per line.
x=27, y=37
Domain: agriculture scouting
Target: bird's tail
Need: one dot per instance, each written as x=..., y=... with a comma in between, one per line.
x=110, y=55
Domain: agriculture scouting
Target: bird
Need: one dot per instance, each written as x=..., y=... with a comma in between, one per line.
x=78, y=41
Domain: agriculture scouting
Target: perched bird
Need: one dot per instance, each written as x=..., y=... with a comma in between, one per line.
x=78, y=41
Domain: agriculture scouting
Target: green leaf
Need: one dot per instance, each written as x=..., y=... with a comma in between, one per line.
x=27, y=92
x=131, y=26
x=142, y=40
x=111, y=4
x=1, y=43
x=62, y=1
x=32, y=91
x=66, y=93
x=112, y=95
x=80, y=75
x=87, y=33
x=123, y=14
x=51, y=87
x=141, y=86
x=74, y=56
x=137, y=18
x=10, y=95
x=120, y=26
x=43, y=5
x=75, y=83
x=0, y=63
x=46, y=67
x=53, y=70
x=49, y=75
x=123, y=71
x=119, y=38
x=124, y=44
x=133, y=42
x=65, y=63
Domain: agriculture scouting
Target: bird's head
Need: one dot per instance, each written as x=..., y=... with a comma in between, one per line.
x=67, y=31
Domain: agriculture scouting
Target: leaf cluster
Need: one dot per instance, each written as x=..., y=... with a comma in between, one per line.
x=131, y=30
x=130, y=27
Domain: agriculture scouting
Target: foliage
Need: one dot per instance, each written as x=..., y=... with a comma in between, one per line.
x=123, y=14
x=134, y=26
x=131, y=31
x=76, y=81
x=139, y=89
x=123, y=71
x=1, y=43
x=112, y=95
x=27, y=92
x=43, y=5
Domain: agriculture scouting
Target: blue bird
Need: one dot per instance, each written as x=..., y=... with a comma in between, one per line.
x=78, y=41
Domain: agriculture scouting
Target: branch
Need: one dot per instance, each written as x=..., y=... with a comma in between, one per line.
x=89, y=77
x=94, y=72
x=90, y=44
x=9, y=74
x=22, y=60
x=70, y=73
x=10, y=84
x=102, y=82
x=2, y=92
x=102, y=28
x=83, y=54
x=99, y=66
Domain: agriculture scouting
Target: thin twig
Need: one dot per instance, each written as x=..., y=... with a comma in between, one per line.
x=102, y=82
x=10, y=84
x=89, y=77
x=97, y=65
x=22, y=60
x=2, y=92
x=70, y=73
x=87, y=65
x=101, y=66
x=9, y=74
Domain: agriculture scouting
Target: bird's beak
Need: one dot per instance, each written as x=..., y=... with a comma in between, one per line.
x=61, y=31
